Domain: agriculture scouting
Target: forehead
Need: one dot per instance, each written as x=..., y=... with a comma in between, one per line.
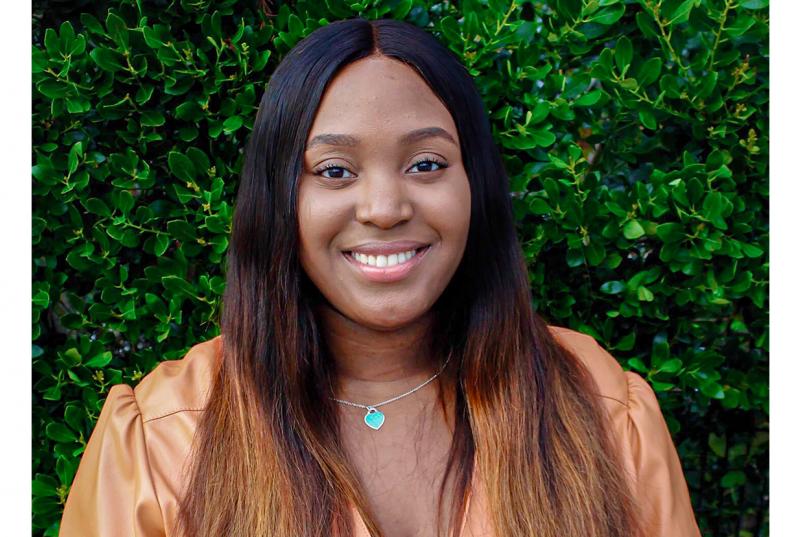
x=378, y=95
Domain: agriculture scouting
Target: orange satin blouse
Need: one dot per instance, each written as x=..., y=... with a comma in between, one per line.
x=129, y=477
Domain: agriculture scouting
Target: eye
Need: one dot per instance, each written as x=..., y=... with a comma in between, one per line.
x=334, y=169
x=426, y=163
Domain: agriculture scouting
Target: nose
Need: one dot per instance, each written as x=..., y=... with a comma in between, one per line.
x=383, y=200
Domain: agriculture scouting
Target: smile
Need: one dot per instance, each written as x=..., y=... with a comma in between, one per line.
x=383, y=268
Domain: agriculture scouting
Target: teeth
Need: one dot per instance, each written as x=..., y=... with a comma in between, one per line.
x=384, y=261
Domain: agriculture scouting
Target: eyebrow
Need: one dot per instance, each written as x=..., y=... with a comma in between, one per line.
x=347, y=140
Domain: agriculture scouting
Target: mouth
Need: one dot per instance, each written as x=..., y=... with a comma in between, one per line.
x=387, y=260
x=400, y=267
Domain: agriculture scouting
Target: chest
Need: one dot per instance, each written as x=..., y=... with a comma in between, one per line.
x=401, y=469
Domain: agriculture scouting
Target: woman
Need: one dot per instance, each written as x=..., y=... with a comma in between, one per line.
x=380, y=369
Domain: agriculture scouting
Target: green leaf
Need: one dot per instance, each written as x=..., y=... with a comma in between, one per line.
x=623, y=54
x=609, y=15
x=551, y=189
x=59, y=432
x=717, y=444
x=649, y=71
x=262, y=59
x=78, y=46
x=588, y=99
x=53, y=393
x=295, y=26
x=732, y=479
x=161, y=244
x=91, y=23
x=632, y=230
x=569, y=9
x=754, y=4
x=188, y=111
x=716, y=207
x=644, y=294
x=152, y=118
x=708, y=85
x=681, y=13
x=122, y=200
x=77, y=105
x=648, y=119
x=41, y=298
x=72, y=356
x=627, y=342
x=152, y=37
x=67, y=35
x=602, y=67
x=155, y=304
x=672, y=365
x=51, y=43
x=713, y=390
x=39, y=61
x=96, y=206
x=182, y=230
x=117, y=30
x=450, y=29
x=637, y=365
x=613, y=287
x=739, y=26
x=542, y=138
x=73, y=158
x=595, y=253
x=401, y=9
x=73, y=415
x=144, y=93
x=181, y=167
x=178, y=286
x=661, y=386
x=99, y=360
x=44, y=485
x=539, y=112
x=751, y=250
x=107, y=59
x=539, y=206
x=670, y=232
x=232, y=124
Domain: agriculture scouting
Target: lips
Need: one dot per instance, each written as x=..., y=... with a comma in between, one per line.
x=387, y=274
x=386, y=248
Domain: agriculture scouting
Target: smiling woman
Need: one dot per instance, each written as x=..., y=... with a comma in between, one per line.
x=380, y=369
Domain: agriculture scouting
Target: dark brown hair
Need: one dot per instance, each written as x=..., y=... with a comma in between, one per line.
x=267, y=460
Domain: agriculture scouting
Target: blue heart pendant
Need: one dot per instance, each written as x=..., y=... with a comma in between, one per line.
x=374, y=418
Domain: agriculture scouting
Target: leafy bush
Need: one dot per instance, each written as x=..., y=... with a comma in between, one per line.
x=634, y=133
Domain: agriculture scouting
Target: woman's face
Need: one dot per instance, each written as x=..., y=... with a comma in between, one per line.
x=382, y=165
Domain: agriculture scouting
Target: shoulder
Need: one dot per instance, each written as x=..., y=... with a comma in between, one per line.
x=179, y=385
x=611, y=379
x=648, y=454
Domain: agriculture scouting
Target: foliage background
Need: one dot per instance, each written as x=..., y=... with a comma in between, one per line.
x=634, y=133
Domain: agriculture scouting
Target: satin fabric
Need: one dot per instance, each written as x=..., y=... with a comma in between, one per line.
x=130, y=475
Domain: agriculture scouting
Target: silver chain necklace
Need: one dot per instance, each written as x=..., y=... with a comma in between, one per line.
x=374, y=418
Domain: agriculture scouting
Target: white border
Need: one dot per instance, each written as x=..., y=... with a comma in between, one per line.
x=15, y=280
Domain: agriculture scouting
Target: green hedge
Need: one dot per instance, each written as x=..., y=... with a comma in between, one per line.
x=634, y=133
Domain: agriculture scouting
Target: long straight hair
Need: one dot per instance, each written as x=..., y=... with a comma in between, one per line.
x=267, y=459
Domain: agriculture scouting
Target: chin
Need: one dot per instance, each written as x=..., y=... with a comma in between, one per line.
x=381, y=321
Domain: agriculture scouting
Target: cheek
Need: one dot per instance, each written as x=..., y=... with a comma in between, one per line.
x=320, y=220
x=453, y=211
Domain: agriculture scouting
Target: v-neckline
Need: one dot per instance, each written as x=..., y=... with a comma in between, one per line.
x=361, y=527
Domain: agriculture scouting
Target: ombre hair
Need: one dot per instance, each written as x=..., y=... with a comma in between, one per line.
x=267, y=459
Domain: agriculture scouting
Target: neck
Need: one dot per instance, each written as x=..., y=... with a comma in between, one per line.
x=375, y=365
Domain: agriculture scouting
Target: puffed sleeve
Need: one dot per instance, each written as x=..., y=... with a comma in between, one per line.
x=113, y=493
x=659, y=483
